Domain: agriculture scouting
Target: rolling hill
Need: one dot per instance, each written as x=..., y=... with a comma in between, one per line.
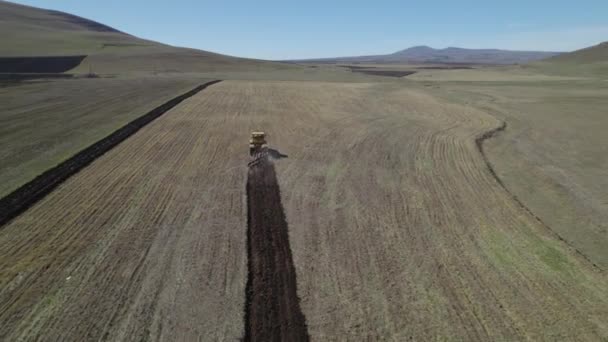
x=593, y=54
x=32, y=32
x=425, y=54
x=588, y=62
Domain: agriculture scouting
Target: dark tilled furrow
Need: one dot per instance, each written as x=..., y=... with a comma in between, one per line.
x=272, y=311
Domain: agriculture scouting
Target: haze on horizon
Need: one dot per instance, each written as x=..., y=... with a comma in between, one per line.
x=275, y=30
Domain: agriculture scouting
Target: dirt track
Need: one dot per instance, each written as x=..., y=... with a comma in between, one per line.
x=272, y=308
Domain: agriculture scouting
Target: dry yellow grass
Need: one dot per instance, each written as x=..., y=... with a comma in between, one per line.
x=398, y=230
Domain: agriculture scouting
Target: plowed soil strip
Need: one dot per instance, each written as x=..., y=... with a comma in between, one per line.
x=272, y=311
x=19, y=200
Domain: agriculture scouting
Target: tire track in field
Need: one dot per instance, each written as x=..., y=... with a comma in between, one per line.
x=272, y=307
x=25, y=196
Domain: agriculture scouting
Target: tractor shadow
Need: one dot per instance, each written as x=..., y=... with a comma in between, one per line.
x=272, y=305
x=275, y=154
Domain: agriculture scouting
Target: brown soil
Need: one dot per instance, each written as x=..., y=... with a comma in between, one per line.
x=22, y=198
x=272, y=311
x=46, y=64
x=387, y=73
x=451, y=67
x=355, y=67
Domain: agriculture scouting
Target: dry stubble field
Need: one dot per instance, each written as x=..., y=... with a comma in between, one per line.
x=396, y=226
x=42, y=123
x=554, y=153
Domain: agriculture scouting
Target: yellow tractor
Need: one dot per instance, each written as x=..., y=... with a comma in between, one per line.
x=257, y=142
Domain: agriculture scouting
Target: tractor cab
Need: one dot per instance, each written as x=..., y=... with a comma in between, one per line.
x=257, y=142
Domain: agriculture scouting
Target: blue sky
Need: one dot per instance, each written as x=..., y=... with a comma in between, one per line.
x=274, y=29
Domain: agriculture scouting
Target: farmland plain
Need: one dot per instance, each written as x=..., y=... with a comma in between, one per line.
x=464, y=204
x=42, y=123
x=553, y=153
x=398, y=230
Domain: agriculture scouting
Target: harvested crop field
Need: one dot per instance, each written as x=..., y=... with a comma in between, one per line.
x=554, y=153
x=21, y=199
x=45, y=123
x=397, y=228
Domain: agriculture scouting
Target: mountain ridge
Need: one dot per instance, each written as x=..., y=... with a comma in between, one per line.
x=454, y=55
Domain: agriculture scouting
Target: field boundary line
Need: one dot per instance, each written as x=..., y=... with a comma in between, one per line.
x=479, y=143
x=31, y=192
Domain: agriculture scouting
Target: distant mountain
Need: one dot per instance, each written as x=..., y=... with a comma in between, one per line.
x=454, y=55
